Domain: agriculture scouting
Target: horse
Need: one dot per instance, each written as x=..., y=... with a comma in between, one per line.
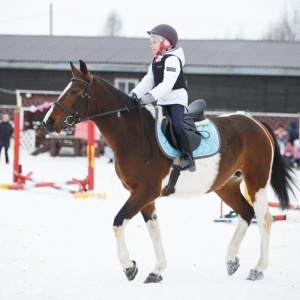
x=248, y=156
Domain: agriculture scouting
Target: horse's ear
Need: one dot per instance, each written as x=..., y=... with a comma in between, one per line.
x=83, y=67
x=84, y=70
x=75, y=72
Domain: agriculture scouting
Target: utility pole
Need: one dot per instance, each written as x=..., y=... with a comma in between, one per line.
x=50, y=19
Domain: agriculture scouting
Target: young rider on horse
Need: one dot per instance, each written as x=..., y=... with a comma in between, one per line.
x=165, y=83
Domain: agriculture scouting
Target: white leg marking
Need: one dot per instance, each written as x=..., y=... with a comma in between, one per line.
x=235, y=243
x=121, y=246
x=154, y=232
x=264, y=222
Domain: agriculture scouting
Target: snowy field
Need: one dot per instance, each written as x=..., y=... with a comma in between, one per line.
x=53, y=246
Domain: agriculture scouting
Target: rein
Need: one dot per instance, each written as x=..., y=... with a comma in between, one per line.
x=73, y=118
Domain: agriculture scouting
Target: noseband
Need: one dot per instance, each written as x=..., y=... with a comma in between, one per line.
x=72, y=118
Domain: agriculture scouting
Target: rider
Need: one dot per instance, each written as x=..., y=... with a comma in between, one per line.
x=165, y=83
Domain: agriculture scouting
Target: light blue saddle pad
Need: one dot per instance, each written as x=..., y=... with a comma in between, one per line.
x=209, y=145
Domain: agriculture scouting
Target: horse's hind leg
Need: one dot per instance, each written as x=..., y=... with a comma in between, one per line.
x=232, y=196
x=150, y=217
x=264, y=222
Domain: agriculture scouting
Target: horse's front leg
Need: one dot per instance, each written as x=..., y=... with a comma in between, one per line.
x=150, y=217
x=136, y=203
x=122, y=218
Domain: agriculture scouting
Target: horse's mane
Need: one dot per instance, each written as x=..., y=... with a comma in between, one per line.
x=110, y=87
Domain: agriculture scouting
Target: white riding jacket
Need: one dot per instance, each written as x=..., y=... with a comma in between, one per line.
x=163, y=92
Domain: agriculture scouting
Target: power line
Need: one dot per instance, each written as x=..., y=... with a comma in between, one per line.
x=24, y=18
x=7, y=91
x=136, y=20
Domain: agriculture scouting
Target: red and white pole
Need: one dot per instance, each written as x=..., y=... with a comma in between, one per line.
x=16, y=166
x=91, y=154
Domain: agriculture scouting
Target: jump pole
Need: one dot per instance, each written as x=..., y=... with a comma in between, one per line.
x=90, y=151
x=90, y=154
x=16, y=166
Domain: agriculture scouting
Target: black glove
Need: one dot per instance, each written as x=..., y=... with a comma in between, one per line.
x=133, y=96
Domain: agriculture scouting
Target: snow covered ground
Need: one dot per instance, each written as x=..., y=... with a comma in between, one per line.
x=54, y=246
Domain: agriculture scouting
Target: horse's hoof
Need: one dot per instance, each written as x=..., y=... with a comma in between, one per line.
x=131, y=272
x=153, y=278
x=255, y=275
x=232, y=266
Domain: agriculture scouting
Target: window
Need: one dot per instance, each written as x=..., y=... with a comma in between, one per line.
x=125, y=85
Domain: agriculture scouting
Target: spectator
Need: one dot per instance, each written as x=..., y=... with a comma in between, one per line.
x=6, y=132
x=282, y=136
x=293, y=132
x=288, y=154
x=109, y=153
x=297, y=153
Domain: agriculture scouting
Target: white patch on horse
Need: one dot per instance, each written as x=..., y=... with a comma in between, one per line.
x=191, y=184
x=154, y=232
x=231, y=114
x=64, y=91
x=122, y=250
x=49, y=112
x=151, y=109
x=52, y=107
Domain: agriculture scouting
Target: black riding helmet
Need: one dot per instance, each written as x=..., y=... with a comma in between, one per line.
x=166, y=31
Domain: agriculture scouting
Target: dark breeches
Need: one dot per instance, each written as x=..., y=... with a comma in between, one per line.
x=176, y=112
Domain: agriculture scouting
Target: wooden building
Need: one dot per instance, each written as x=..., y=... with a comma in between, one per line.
x=230, y=75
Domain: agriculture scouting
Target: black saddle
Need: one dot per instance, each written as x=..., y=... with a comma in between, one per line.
x=195, y=113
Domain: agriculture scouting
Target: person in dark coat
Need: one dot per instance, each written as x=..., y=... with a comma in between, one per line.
x=6, y=132
x=293, y=132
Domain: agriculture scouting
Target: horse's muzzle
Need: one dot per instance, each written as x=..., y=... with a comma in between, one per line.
x=48, y=125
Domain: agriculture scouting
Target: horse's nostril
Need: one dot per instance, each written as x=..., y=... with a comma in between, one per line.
x=48, y=124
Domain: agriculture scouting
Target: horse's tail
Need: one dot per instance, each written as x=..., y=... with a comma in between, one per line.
x=282, y=175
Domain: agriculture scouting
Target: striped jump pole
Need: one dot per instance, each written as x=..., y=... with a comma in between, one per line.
x=16, y=166
x=91, y=154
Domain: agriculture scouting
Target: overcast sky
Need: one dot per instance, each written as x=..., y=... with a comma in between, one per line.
x=193, y=19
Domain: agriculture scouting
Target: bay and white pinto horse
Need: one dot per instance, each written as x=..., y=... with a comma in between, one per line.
x=248, y=148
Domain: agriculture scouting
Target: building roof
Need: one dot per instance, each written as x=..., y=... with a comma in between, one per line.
x=134, y=54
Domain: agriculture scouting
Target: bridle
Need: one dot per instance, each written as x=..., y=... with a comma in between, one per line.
x=72, y=118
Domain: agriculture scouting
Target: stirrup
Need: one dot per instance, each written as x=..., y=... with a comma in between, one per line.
x=187, y=163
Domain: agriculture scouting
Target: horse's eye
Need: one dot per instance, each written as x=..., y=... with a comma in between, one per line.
x=74, y=92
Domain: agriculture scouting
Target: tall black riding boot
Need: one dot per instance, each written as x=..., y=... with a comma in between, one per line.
x=187, y=154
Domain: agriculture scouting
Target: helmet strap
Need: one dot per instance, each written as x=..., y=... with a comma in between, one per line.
x=162, y=48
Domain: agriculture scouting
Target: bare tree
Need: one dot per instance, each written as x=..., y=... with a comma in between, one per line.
x=113, y=24
x=288, y=29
